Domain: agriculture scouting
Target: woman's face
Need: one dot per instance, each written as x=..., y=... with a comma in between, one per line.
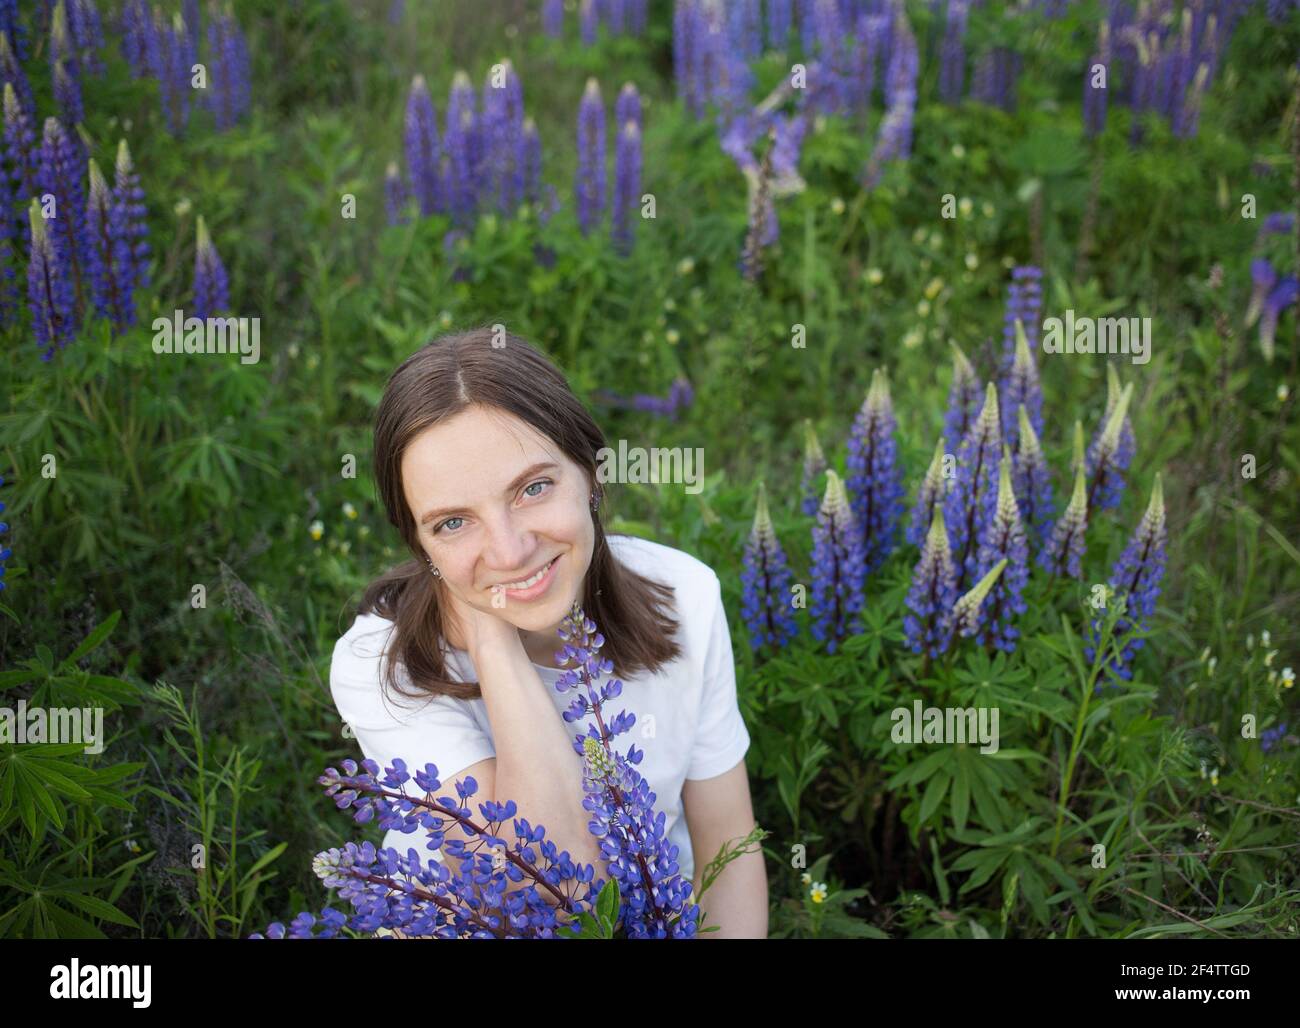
x=504, y=515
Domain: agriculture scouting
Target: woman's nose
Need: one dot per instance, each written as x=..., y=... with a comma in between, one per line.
x=509, y=544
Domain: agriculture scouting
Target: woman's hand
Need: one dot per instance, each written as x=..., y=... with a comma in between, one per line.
x=479, y=632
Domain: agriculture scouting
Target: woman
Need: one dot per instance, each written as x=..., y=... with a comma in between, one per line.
x=486, y=463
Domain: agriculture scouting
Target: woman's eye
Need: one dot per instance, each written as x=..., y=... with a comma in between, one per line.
x=537, y=486
x=452, y=523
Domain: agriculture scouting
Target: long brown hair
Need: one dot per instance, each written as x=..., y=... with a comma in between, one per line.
x=492, y=368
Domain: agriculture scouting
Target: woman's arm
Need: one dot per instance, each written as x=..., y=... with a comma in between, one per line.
x=719, y=810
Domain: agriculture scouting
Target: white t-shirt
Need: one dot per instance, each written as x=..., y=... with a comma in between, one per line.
x=687, y=721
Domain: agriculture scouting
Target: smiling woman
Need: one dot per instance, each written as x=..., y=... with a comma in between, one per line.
x=486, y=463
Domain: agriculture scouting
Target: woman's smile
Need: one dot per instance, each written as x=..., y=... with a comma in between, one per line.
x=534, y=585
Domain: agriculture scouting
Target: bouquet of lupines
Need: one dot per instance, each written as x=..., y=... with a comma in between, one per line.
x=985, y=502
x=527, y=889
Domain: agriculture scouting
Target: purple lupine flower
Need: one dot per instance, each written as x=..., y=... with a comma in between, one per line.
x=894, y=138
x=136, y=26
x=1268, y=738
x=965, y=394
x=129, y=231
x=65, y=69
x=589, y=188
x=927, y=626
x=1066, y=546
x=972, y=499
x=106, y=292
x=13, y=28
x=1126, y=447
x=1103, y=460
x=745, y=28
x=1263, y=277
x=929, y=498
x=395, y=196
x=10, y=243
x=765, y=603
x=1021, y=386
x=87, y=30
x=11, y=73
x=1094, y=94
x=1284, y=294
x=5, y=551
x=814, y=463
x=58, y=174
x=994, y=81
x=423, y=155
x=67, y=94
x=1004, y=543
x=530, y=160
x=502, y=124
x=778, y=24
x=952, y=53
x=211, y=286
x=462, y=149
x=1024, y=303
x=20, y=153
x=628, y=106
x=553, y=18
x=837, y=568
x=875, y=480
x=969, y=613
x=655, y=900
x=229, y=88
x=1135, y=576
x=680, y=394
x=49, y=287
x=588, y=21
x=1032, y=481
x=872, y=31
x=178, y=56
x=1277, y=223
x=627, y=186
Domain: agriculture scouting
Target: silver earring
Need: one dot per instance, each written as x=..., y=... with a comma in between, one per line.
x=436, y=573
x=595, y=501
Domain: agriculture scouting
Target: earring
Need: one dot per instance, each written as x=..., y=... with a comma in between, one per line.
x=436, y=573
x=595, y=501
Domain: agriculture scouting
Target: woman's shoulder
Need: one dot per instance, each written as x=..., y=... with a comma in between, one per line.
x=663, y=563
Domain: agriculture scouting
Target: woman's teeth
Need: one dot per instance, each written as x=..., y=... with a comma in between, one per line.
x=530, y=581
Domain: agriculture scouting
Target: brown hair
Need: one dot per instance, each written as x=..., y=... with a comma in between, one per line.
x=438, y=381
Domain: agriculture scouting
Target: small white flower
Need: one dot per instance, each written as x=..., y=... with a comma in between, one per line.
x=349, y=511
x=913, y=339
x=1250, y=640
x=972, y=262
x=670, y=304
x=1282, y=392
x=806, y=878
x=958, y=151
x=673, y=336
x=923, y=308
x=837, y=206
x=818, y=892
x=918, y=236
x=1268, y=658
x=1265, y=639
x=444, y=318
x=875, y=276
x=965, y=206
x=1205, y=654
x=1288, y=678
x=685, y=266
x=316, y=529
x=1213, y=663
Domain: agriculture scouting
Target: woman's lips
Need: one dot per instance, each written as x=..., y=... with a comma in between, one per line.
x=537, y=588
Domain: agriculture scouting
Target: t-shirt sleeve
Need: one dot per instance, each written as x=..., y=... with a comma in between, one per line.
x=721, y=739
x=439, y=730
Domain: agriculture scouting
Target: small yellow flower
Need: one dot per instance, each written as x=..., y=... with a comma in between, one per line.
x=312, y=361
x=875, y=276
x=1214, y=776
x=958, y=151
x=444, y=318
x=685, y=266
x=918, y=236
x=923, y=308
x=936, y=241
x=349, y=511
x=1288, y=678
x=363, y=531
x=837, y=206
x=670, y=304
x=933, y=288
x=1203, y=769
x=806, y=878
x=987, y=209
x=182, y=207
x=316, y=530
x=913, y=339
x=818, y=892
x=1268, y=658
x=1282, y=392
x=133, y=846
x=293, y=350
x=972, y=262
x=965, y=205
x=345, y=547
x=673, y=336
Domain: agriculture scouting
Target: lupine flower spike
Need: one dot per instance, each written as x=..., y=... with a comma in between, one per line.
x=1064, y=550
x=875, y=479
x=589, y=188
x=928, y=625
x=1032, y=481
x=967, y=612
x=1103, y=461
x=129, y=231
x=1136, y=576
x=814, y=463
x=1021, y=386
x=1004, y=541
x=1127, y=447
x=5, y=552
x=929, y=498
x=49, y=289
x=211, y=287
x=964, y=396
x=973, y=497
x=837, y=567
x=766, y=580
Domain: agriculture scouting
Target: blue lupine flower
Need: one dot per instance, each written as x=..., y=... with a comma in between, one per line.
x=11, y=73
x=1020, y=386
x=10, y=243
x=952, y=52
x=1032, y=480
x=1279, y=223
x=875, y=479
x=837, y=568
x=553, y=18
x=894, y=137
x=627, y=186
x=1268, y=738
x=423, y=156
x=1025, y=304
x=229, y=86
x=1283, y=296
x=395, y=195
x=463, y=149
x=58, y=173
x=211, y=287
x=49, y=289
x=20, y=151
x=129, y=231
x=589, y=188
x=969, y=613
x=588, y=21
x=1103, y=461
x=5, y=551
x=1135, y=576
x=929, y=498
x=502, y=123
x=928, y=625
x=964, y=397
x=1263, y=277
x=994, y=81
x=628, y=106
x=1004, y=544
x=972, y=499
x=13, y=28
x=778, y=23
x=765, y=603
x=1065, y=548
x=136, y=27
x=814, y=463
x=105, y=285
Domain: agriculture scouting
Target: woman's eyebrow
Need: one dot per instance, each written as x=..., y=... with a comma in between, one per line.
x=515, y=483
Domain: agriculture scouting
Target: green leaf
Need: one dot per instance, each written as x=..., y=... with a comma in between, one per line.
x=94, y=639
